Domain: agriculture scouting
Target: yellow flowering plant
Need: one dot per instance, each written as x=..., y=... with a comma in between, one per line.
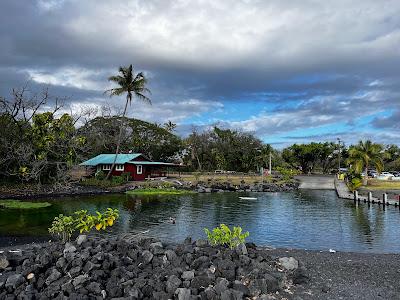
x=65, y=226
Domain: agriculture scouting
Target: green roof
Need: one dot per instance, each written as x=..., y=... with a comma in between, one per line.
x=152, y=163
x=109, y=159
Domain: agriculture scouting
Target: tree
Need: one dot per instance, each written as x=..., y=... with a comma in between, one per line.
x=366, y=154
x=130, y=84
x=169, y=126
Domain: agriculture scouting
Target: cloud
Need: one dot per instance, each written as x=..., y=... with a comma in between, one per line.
x=317, y=63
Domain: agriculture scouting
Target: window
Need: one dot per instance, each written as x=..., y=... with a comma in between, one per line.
x=106, y=167
x=119, y=167
x=139, y=169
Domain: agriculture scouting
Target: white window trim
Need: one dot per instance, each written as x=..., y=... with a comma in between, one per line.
x=119, y=167
x=107, y=167
x=139, y=167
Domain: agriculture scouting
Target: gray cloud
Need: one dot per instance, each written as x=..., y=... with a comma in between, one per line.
x=320, y=62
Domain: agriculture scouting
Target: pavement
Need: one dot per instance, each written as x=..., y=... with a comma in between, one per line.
x=346, y=275
x=316, y=182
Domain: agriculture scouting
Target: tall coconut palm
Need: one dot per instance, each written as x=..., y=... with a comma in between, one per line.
x=366, y=154
x=132, y=85
x=169, y=126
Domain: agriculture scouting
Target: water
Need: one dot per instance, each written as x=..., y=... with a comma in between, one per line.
x=305, y=219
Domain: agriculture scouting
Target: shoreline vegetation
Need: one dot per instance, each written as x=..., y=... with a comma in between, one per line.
x=159, y=191
x=16, y=204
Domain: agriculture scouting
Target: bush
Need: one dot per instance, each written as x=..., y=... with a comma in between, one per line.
x=65, y=226
x=287, y=173
x=118, y=179
x=100, y=175
x=99, y=183
x=126, y=176
x=224, y=236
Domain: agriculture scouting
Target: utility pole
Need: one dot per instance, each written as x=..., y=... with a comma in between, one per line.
x=338, y=154
x=270, y=164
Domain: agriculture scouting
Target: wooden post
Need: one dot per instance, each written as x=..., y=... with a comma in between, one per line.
x=369, y=196
x=355, y=195
x=384, y=197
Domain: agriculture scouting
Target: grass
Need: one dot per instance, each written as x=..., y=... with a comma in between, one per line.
x=154, y=191
x=375, y=184
x=234, y=179
x=100, y=183
x=15, y=204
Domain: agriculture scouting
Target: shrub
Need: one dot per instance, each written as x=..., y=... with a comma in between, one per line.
x=118, y=179
x=100, y=175
x=287, y=173
x=65, y=226
x=126, y=176
x=224, y=236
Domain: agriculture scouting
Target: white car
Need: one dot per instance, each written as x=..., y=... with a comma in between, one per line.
x=385, y=176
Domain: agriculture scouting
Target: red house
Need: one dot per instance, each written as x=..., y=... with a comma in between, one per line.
x=138, y=165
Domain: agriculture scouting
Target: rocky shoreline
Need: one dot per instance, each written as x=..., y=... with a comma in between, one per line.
x=201, y=187
x=128, y=267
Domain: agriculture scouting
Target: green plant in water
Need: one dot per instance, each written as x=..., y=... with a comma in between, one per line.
x=16, y=204
x=224, y=236
x=65, y=226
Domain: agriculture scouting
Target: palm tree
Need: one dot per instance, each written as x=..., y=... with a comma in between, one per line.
x=365, y=154
x=132, y=85
x=169, y=126
x=264, y=155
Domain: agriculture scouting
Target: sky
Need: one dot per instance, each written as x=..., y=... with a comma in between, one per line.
x=288, y=71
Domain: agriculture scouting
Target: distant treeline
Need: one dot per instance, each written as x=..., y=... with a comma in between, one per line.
x=41, y=147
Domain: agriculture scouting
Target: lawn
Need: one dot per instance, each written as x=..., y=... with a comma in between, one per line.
x=375, y=184
x=234, y=179
x=155, y=191
x=15, y=204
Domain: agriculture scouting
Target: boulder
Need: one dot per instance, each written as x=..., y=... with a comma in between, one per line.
x=54, y=275
x=183, y=293
x=4, y=263
x=14, y=281
x=187, y=275
x=289, y=263
x=81, y=239
x=147, y=256
x=173, y=283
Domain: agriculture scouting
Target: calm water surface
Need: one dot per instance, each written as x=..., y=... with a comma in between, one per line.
x=304, y=219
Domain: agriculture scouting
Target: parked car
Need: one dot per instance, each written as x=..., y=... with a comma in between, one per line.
x=385, y=176
x=396, y=174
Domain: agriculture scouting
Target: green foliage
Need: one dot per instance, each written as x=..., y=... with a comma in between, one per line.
x=15, y=204
x=65, y=226
x=309, y=156
x=99, y=183
x=287, y=173
x=158, y=191
x=118, y=180
x=100, y=175
x=224, y=236
x=354, y=180
x=222, y=149
x=364, y=155
x=126, y=176
x=154, y=141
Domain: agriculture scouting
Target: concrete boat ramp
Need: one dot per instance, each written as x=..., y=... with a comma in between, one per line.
x=316, y=182
x=321, y=182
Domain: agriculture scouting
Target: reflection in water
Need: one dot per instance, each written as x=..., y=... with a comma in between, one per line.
x=303, y=219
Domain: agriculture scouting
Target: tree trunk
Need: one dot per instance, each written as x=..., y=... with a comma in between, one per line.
x=119, y=139
x=365, y=179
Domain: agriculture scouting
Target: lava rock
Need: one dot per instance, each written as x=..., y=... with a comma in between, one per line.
x=289, y=263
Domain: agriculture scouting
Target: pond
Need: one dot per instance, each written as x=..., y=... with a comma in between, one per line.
x=306, y=219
